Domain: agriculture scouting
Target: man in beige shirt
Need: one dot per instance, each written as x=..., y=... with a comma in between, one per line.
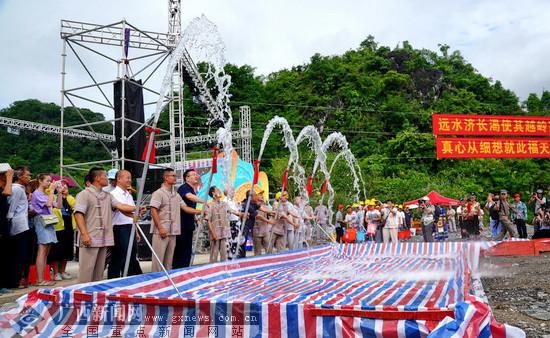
x=165, y=211
x=262, y=225
x=283, y=220
x=93, y=215
x=216, y=214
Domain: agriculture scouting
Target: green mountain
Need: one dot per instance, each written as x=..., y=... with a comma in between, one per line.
x=380, y=98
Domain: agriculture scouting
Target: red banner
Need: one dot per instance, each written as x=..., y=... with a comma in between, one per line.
x=153, y=155
x=492, y=148
x=215, y=159
x=309, y=186
x=284, y=179
x=256, y=165
x=450, y=124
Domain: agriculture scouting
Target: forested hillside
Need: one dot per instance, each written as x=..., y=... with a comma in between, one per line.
x=380, y=98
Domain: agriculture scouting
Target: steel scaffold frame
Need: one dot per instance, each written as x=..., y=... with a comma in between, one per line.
x=78, y=34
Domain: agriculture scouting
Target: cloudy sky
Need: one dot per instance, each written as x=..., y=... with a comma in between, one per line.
x=507, y=40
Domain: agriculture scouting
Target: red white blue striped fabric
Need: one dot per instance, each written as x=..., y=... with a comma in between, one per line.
x=280, y=295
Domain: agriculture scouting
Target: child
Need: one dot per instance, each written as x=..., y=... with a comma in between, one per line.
x=218, y=223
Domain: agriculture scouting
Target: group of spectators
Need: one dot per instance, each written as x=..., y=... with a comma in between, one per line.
x=380, y=221
x=39, y=219
x=41, y=222
x=507, y=218
x=36, y=227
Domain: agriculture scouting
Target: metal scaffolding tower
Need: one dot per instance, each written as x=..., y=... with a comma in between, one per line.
x=112, y=43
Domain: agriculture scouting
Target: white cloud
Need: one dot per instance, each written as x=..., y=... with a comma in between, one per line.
x=505, y=40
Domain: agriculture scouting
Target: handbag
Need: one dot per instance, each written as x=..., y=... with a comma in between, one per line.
x=48, y=220
x=429, y=218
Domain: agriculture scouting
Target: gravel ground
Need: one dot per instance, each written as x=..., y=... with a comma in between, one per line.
x=518, y=290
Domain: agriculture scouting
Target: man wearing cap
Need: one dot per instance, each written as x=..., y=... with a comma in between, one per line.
x=519, y=216
x=111, y=176
x=321, y=215
x=165, y=212
x=427, y=212
x=351, y=217
x=538, y=199
x=505, y=210
x=253, y=214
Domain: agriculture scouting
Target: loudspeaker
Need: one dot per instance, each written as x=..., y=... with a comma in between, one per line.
x=133, y=110
x=153, y=181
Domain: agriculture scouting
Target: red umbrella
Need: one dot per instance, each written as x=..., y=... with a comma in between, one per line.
x=70, y=182
x=437, y=198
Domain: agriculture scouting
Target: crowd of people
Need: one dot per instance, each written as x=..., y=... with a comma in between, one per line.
x=40, y=220
x=381, y=221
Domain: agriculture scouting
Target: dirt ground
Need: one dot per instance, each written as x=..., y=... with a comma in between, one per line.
x=519, y=292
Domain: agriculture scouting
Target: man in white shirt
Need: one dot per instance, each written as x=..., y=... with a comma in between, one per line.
x=122, y=227
x=391, y=223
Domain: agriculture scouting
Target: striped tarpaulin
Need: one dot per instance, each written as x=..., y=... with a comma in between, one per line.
x=363, y=290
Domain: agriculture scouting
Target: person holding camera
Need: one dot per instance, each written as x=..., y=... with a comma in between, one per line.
x=505, y=210
x=538, y=199
x=540, y=202
x=43, y=199
x=427, y=212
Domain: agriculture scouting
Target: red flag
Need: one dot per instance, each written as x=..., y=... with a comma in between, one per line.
x=153, y=150
x=284, y=180
x=256, y=164
x=215, y=159
x=324, y=187
x=309, y=186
